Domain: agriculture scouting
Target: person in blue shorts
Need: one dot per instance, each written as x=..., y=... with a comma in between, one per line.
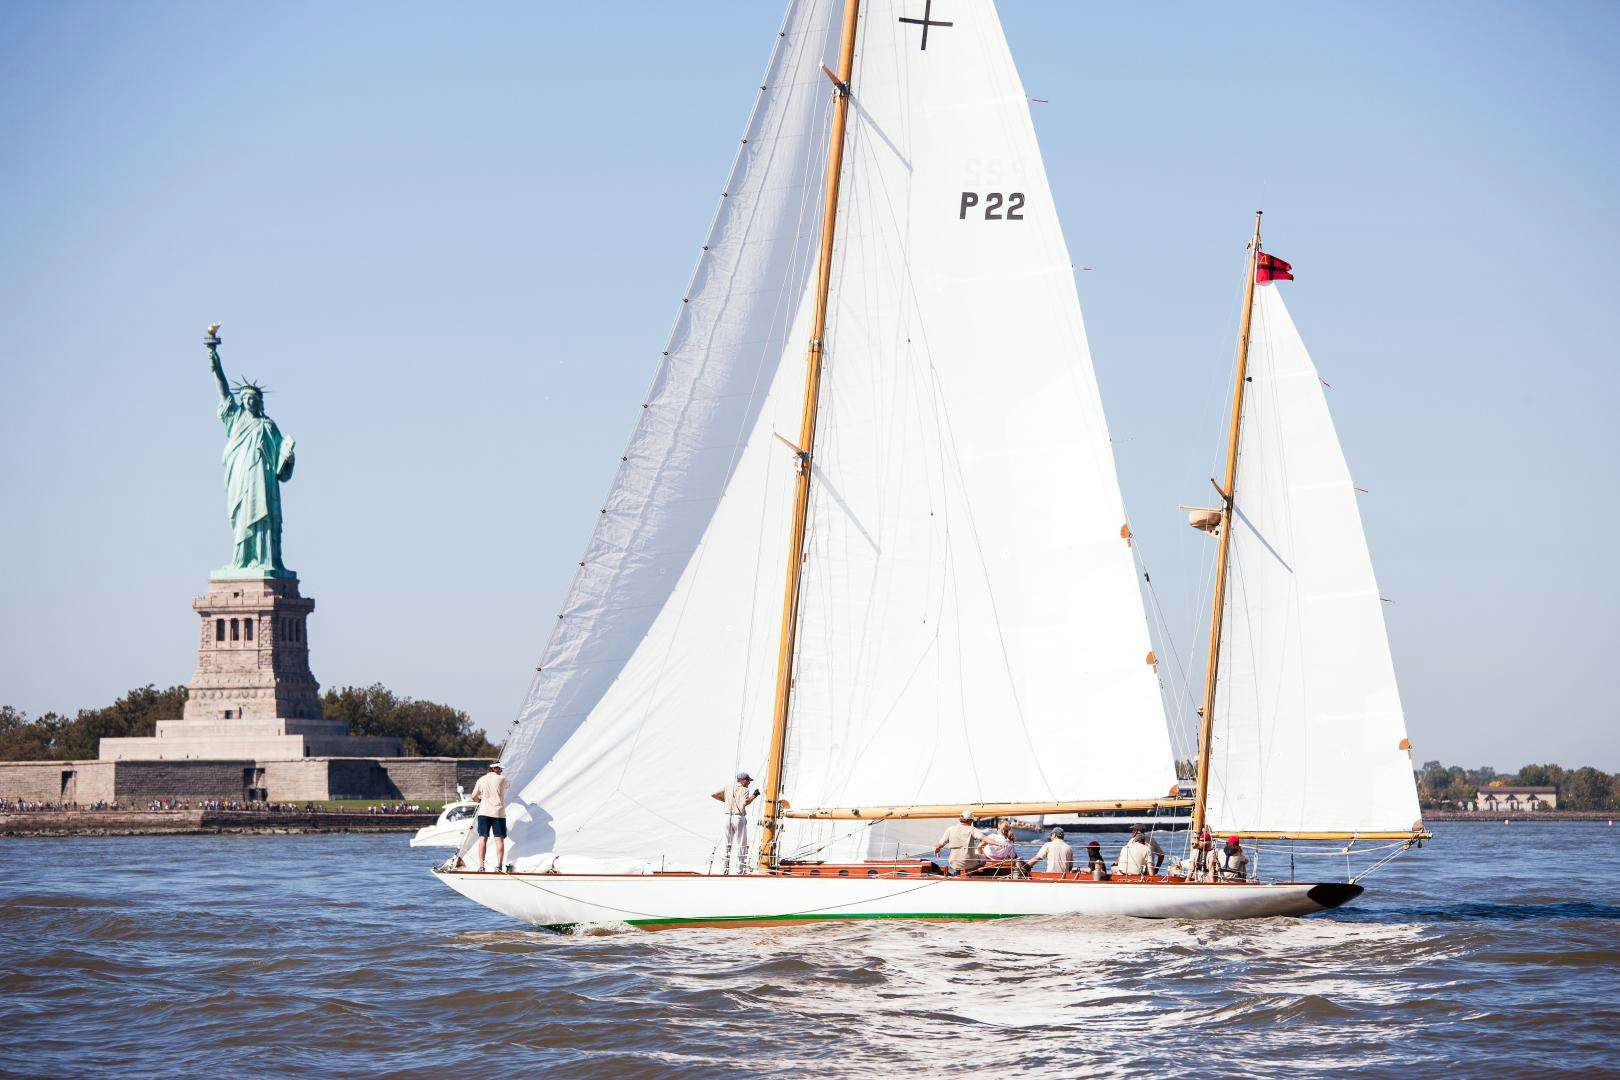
x=490, y=794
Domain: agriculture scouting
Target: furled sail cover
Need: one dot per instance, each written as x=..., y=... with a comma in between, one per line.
x=1308, y=732
x=657, y=681
x=971, y=622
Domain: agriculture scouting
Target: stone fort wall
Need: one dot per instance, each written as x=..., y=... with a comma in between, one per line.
x=85, y=782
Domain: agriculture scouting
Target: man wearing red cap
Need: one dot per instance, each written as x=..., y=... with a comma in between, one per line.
x=1232, y=862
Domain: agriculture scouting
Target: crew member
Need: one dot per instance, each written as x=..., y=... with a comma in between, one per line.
x=1140, y=856
x=964, y=841
x=1096, y=865
x=490, y=795
x=1058, y=854
x=1001, y=845
x=1203, y=852
x=737, y=799
x=1232, y=862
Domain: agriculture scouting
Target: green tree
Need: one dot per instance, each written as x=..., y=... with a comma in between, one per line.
x=428, y=728
x=1541, y=775
x=52, y=736
x=134, y=714
x=1586, y=788
x=22, y=739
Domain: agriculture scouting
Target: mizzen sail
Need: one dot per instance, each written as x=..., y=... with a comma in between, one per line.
x=1308, y=734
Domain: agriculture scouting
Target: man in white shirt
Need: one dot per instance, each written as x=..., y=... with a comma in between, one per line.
x=964, y=841
x=737, y=798
x=490, y=795
x=1058, y=854
x=1140, y=856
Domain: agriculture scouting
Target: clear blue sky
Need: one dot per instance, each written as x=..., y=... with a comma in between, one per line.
x=452, y=241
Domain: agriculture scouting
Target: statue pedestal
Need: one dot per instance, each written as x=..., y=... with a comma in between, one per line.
x=253, y=696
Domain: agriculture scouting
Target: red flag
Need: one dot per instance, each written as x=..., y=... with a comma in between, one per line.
x=1270, y=268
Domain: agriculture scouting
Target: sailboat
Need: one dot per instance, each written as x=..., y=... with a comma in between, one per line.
x=868, y=536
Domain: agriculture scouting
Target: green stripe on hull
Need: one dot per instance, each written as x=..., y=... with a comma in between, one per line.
x=766, y=920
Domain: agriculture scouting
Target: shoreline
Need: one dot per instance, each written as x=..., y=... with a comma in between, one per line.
x=203, y=822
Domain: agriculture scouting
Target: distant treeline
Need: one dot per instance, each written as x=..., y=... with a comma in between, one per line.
x=428, y=728
x=1586, y=788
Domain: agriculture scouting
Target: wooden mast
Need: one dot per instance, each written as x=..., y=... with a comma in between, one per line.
x=807, y=439
x=1201, y=795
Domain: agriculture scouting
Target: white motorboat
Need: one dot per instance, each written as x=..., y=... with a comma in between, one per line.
x=881, y=355
x=451, y=828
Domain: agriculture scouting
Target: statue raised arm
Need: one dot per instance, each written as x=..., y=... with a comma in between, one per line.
x=257, y=461
x=211, y=342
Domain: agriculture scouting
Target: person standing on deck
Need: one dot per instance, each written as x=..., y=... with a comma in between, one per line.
x=1058, y=854
x=964, y=841
x=737, y=798
x=490, y=794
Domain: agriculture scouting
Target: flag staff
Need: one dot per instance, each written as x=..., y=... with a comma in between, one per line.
x=1228, y=492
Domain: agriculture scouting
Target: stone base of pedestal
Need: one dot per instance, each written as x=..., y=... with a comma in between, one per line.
x=252, y=747
x=253, y=696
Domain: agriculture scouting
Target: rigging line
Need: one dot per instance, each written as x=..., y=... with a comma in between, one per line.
x=784, y=316
x=1177, y=734
x=990, y=595
x=1219, y=395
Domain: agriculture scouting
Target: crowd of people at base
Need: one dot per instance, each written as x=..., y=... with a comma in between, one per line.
x=396, y=808
x=972, y=850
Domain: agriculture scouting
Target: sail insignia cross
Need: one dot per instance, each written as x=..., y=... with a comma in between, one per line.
x=926, y=21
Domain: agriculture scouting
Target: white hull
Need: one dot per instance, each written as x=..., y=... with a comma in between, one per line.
x=659, y=901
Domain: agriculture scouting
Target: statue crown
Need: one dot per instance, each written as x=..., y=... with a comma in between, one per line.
x=249, y=384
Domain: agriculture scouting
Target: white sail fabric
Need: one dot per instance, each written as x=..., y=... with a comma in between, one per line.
x=656, y=684
x=971, y=622
x=1308, y=735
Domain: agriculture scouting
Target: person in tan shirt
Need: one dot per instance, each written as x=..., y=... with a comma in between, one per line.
x=964, y=841
x=490, y=794
x=737, y=799
x=1057, y=853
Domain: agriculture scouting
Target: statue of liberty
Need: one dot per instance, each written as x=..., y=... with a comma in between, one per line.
x=257, y=462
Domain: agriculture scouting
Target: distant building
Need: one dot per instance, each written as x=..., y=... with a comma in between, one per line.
x=1516, y=799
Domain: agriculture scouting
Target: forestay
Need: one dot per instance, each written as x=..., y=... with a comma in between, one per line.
x=971, y=622
x=1308, y=735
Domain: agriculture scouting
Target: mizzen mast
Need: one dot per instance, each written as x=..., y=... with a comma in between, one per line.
x=1228, y=493
x=807, y=439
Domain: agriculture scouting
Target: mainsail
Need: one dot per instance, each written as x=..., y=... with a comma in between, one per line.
x=970, y=625
x=1308, y=734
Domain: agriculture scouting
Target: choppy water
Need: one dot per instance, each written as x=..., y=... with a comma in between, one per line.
x=1497, y=949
